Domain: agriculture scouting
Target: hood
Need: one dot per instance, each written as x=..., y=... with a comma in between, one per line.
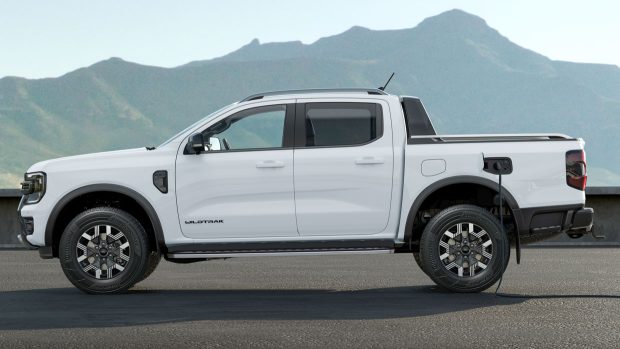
x=103, y=159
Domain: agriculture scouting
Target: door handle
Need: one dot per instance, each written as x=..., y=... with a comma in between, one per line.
x=369, y=160
x=269, y=164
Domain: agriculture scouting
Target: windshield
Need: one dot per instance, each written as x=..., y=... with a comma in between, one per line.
x=196, y=124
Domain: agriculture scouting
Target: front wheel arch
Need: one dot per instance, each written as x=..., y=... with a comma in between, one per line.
x=113, y=195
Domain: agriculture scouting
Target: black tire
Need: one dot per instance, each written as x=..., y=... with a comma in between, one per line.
x=481, y=278
x=416, y=257
x=154, y=259
x=138, y=251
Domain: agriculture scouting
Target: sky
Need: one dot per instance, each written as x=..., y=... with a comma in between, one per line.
x=50, y=38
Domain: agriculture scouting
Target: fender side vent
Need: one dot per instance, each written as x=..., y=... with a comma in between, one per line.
x=160, y=181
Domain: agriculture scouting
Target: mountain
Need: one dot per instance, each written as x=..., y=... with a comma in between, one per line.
x=470, y=77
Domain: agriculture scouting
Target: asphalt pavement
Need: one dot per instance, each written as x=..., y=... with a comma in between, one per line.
x=559, y=298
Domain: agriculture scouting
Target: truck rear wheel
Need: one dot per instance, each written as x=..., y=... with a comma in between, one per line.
x=464, y=249
x=104, y=250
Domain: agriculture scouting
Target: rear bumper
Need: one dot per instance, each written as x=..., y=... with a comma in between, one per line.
x=583, y=219
x=541, y=221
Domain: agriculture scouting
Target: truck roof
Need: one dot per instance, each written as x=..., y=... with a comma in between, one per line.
x=365, y=91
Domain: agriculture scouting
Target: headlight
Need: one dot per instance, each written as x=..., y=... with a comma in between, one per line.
x=33, y=187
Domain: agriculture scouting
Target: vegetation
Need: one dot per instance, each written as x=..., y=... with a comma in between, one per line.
x=472, y=80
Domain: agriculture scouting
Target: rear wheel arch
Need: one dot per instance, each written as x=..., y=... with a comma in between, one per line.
x=112, y=195
x=440, y=187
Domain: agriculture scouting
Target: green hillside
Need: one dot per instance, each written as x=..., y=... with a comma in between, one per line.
x=472, y=80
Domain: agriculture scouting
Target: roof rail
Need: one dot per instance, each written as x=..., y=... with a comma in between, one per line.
x=370, y=91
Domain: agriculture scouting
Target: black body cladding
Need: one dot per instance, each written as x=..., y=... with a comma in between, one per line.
x=416, y=118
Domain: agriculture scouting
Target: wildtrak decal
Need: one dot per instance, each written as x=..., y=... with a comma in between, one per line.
x=205, y=221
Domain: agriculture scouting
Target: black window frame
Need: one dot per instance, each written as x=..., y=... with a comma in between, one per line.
x=287, y=137
x=300, y=124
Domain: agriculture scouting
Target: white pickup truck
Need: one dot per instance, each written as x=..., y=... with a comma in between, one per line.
x=311, y=172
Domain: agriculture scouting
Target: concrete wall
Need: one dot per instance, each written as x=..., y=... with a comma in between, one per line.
x=9, y=225
x=604, y=200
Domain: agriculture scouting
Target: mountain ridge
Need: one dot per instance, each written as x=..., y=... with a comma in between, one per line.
x=471, y=78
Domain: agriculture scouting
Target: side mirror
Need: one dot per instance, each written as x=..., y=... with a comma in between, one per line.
x=196, y=143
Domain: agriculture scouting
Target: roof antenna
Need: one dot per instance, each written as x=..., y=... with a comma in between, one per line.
x=384, y=86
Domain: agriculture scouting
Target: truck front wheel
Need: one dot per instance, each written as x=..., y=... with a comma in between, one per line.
x=416, y=257
x=464, y=249
x=104, y=250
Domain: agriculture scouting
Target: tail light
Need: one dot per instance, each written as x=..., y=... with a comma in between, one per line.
x=576, y=169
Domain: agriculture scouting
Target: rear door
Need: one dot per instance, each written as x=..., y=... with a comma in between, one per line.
x=343, y=167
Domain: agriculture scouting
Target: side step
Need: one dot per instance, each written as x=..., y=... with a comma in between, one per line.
x=273, y=253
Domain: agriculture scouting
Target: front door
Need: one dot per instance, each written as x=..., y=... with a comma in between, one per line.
x=344, y=162
x=242, y=185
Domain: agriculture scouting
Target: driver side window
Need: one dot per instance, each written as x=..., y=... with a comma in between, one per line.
x=256, y=128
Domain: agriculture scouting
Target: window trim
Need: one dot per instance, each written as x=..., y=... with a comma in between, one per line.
x=300, y=125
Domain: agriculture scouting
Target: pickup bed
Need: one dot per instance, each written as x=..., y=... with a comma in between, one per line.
x=308, y=172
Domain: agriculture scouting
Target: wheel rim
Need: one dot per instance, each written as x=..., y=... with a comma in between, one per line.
x=465, y=249
x=103, y=251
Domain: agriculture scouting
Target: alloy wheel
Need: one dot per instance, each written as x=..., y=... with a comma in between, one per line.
x=103, y=252
x=465, y=249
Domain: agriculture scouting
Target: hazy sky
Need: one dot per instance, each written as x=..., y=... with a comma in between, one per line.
x=49, y=38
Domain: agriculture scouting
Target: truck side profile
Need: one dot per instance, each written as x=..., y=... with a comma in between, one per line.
x=308, y=172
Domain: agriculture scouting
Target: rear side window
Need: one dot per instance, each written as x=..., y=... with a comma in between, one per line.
x=342, y=124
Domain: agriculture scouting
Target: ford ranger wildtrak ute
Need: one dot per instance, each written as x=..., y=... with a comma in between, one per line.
x=309, y=172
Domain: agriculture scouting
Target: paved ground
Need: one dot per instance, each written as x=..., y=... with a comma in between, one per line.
x=336, y=301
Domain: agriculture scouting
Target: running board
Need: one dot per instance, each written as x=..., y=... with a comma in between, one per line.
x=274, y=253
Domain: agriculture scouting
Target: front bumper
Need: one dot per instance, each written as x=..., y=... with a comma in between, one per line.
x=547, y=221
x=27, y=229
x=24, y=231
